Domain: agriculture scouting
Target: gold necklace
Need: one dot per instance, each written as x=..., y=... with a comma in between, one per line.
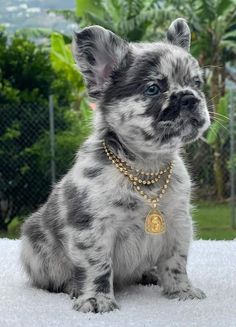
x=154, y=223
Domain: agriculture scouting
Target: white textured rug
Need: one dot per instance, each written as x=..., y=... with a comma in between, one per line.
x=212, y=267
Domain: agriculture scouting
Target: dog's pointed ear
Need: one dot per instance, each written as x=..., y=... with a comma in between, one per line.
x=179, y=34
x=98, y=52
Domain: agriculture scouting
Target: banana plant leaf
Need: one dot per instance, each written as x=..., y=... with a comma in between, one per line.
x=220, y=124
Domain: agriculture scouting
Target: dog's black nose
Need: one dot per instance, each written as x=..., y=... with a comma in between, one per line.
x=188, y=101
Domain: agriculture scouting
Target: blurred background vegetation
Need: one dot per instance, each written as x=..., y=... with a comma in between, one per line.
x=36, y=62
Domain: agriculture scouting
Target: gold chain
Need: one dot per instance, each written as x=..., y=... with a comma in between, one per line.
x=137, y=180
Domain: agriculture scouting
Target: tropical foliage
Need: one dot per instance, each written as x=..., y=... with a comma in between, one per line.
x=214, y=26
x=27, y=78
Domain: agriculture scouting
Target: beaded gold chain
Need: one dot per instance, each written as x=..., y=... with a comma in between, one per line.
x=154, y=223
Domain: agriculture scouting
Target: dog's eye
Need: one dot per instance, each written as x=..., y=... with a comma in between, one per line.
x=152, y=90
x=197, y=83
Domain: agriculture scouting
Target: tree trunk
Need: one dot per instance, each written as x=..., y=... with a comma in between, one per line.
x=218, y=167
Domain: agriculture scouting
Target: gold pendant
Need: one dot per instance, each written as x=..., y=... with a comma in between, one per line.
x=154, y=223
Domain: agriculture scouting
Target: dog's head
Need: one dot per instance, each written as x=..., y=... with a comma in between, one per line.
x=149, y=94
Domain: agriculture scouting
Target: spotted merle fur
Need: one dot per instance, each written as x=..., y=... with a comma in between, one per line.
x=90, y=234
x=92, y=172
x=78, y=212
x=102, y=283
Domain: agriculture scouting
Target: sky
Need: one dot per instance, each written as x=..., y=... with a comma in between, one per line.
x=16, y=14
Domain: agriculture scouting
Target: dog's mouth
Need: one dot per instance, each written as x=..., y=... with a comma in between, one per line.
x=192, y=128
x=187, y=130
x=197, y=122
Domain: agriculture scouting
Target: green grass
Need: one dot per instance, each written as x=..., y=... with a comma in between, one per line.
x=13, y=229
x=212, y=222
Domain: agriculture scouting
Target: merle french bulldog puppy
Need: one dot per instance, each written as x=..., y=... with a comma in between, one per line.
x=89, y=236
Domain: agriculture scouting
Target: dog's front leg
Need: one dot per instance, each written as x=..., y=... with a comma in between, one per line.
x=92, y=286
x=174, y=278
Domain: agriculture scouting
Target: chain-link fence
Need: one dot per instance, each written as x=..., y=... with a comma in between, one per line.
x=38, y=143
x=22, y=186
x=30, y=147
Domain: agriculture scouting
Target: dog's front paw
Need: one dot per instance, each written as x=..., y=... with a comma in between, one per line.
x=97, y=304
x=190, y=293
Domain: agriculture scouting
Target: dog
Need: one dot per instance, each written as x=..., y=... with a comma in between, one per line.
x=89, y=237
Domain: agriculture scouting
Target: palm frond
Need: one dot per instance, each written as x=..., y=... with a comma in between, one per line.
x=153, y=16
x=222, y=6
x=206, y=9
x=231, y=45
x=97, y=20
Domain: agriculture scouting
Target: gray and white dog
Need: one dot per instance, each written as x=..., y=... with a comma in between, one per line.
x=89, y=236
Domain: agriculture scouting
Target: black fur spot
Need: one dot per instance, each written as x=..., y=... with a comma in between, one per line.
x=102, y=282
x=83, y=246
x=92, y=172
x=78, y=208
x=93, y=262
x=34, y=232
x=146, y=136
x=175, y=271
x=114, y=143
x=79, y=277
x=153, y=109
x=50, y=217
x=84, y=35
x=128, y=204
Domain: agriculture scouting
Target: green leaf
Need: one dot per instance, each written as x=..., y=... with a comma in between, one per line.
x=213, y=133
x=94, y=19
x=63, y=60
x=222, y=107
x=229, y=35
x=228, y=44
x=85, y=6
x=220, y=123
x=222, y=6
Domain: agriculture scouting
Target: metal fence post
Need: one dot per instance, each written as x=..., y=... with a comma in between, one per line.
x=52, y=138
x=232, y=122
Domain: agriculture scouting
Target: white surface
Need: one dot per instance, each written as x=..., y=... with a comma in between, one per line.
x=212, y=267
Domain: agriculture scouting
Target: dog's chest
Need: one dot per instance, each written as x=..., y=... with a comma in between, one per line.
x=135, y=251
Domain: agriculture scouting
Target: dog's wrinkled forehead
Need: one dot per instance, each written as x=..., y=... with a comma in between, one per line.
x=103, y=57
x=163, y=60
